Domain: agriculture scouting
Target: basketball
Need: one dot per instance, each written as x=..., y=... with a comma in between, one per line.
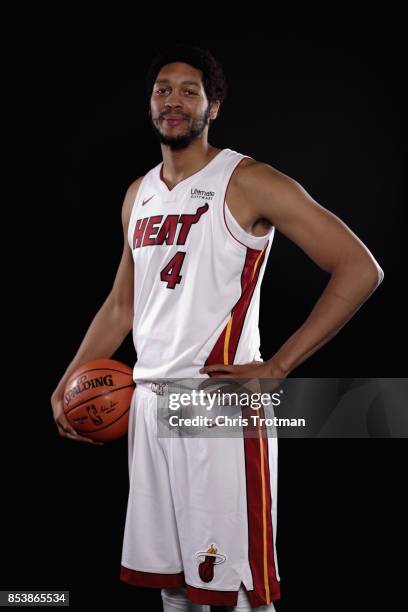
x=97, y=399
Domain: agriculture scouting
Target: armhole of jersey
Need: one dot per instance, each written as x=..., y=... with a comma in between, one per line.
x=233, y=228
x=133, y=211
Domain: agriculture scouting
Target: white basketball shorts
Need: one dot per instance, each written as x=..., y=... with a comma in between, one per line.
x=201, y=512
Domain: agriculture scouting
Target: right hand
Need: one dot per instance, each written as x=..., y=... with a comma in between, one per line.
x=65, y=429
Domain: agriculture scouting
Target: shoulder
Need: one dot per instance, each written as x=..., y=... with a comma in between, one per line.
x=129, y=199
x=267, y=191
x=252, y=176
x=271, y=194
x=134, y=187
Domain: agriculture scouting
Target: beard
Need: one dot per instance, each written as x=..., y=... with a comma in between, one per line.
x=182, y=141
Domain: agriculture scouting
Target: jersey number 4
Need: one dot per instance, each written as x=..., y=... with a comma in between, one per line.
x=171, y=271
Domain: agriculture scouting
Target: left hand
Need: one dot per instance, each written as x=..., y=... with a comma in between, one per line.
x=250, y=371
x=254, y=369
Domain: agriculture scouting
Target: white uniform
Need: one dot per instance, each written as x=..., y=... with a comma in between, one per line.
x=196, y=302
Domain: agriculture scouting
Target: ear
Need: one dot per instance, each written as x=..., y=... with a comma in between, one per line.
x=215, y=107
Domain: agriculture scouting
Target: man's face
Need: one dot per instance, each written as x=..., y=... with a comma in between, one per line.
x=179, y=106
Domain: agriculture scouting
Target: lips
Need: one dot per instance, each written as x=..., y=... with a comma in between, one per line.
x=173, y=120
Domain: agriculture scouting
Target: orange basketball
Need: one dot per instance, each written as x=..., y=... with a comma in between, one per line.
x=97, y=399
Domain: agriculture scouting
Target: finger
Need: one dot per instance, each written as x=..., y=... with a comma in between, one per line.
x=79, y=438
x=221, y=375
x=61, y=429
x=223, y=387
x=236, y=390
x=70, y=433
x=216, y=367
x=216, y=379
x=65, y=427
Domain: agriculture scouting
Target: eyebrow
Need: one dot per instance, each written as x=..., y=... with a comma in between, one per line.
x=183, y=82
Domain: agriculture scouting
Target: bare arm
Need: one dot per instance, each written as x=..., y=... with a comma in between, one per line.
x=110, y=325
x=354, y=273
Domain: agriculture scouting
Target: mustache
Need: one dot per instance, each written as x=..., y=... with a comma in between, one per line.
x=183, y=115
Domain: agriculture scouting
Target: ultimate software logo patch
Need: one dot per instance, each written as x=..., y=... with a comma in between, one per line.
x=200, y=193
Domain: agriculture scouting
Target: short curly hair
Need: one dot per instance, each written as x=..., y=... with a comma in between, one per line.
x=214, y=82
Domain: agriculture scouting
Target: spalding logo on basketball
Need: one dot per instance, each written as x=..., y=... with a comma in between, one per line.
x=97, y=399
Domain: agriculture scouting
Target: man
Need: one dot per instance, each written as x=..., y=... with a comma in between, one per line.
x=198, y=229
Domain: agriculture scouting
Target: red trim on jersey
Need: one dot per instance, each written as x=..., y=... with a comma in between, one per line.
x=217, y=353
x=256, y=535
x=248, y=284
x=150, y=579
x=260, y=540
x=212, y=598
x=175, y=581
x=224, y=598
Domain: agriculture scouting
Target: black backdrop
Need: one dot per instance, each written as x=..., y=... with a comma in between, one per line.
x=322, y=104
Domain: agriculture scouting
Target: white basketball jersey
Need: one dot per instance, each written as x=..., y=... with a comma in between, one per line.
x=197, y=275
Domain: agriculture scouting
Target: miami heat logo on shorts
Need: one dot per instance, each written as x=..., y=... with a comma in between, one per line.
x=207, y=559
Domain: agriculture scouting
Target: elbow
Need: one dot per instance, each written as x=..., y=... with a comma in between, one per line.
x=380, y=273
x=372, y=275
x=376, y=273
x=361, y=264
x=365, y=273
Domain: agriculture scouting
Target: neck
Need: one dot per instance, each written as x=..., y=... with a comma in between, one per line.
x=178, y=165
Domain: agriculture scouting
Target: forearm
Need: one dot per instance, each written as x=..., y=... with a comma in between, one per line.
x=348, y=288
x=106, y=333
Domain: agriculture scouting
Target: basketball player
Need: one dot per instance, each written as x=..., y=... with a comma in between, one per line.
x=198, y=228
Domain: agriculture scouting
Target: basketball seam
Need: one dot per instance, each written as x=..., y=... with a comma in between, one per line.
x=104, y=394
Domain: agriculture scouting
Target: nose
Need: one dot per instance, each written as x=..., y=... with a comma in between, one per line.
x=173, y=100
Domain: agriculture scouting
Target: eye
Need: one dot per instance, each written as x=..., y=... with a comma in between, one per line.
x=161, y=90
x=190, y=92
